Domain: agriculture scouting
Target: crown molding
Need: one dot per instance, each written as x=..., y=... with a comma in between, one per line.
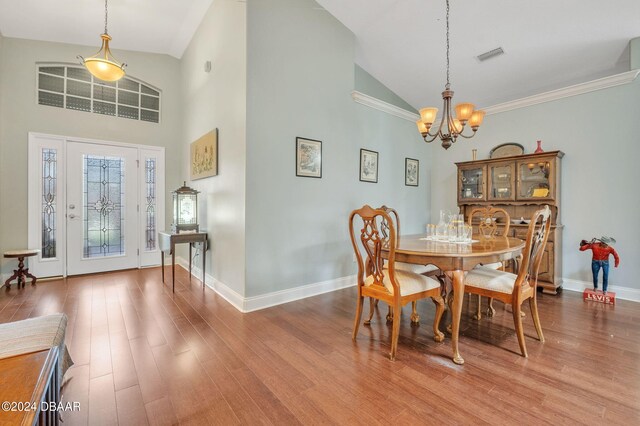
x=383, y=106
x=576, y=89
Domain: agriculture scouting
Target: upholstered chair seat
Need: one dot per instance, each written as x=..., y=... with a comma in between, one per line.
x=410, y=283
x=491, y=279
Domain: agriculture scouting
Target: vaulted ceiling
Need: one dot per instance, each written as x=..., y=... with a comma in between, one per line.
x=156, y=26
x=548, y=43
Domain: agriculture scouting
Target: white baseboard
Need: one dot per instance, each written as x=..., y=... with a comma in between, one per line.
x=626, y=293
x=254, y=303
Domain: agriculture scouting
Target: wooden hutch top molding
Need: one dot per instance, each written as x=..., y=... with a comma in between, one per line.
x=558, y=154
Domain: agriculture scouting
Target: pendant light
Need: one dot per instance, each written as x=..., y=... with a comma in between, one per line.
x=450, y=127
x=103, y=65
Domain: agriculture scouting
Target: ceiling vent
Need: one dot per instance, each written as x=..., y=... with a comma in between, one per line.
x=490, y=54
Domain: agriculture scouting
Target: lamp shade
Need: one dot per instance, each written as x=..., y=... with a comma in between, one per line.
x=476, y=119
x=464, y=111
x=103, y=65
x=422, y=128
x=456, y=126
x=428, y=115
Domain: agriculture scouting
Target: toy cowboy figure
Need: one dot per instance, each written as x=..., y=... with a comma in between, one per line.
x=601, y=251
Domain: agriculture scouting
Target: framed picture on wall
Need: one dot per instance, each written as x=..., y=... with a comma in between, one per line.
x=308, y=158
x=368, y=166
x=411, y=171
x=204, y=156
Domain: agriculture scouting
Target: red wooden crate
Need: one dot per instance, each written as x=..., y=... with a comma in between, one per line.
x=599, y=296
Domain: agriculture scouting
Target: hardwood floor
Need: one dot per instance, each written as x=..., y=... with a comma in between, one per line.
x=145, y=356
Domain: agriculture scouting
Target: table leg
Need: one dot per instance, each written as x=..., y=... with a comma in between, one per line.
x=27, y=274
x=162, y=264
x=204, y=257
x=173, y=267
x=190, y=244
x=457, y=278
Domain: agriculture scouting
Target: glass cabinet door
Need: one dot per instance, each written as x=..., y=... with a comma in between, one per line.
x=501, y=181
x=534, y=179
x=471, y=183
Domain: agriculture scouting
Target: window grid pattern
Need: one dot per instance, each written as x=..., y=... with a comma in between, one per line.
x=103, y=204
x=150, y=176
x=75, y=88
x=49, y=201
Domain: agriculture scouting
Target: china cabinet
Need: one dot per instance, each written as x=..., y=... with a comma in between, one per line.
x=521, y=185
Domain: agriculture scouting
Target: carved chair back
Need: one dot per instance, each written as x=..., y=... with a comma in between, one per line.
x=488, y=224
x=537, y=236
x=384, y=226
x=370, y=239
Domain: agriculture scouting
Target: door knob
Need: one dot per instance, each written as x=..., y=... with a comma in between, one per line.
x=72, y=206
x=72, y=216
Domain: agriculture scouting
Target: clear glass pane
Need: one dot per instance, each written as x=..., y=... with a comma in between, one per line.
x=128, y=84
x=104, y=93
x=79, y=88
x=534, y=180
x=103, y=204
x=128, y=98
x=50, y=83
x=471, y=185
x=49, y=202
x=53, y=70
x=78, y=73
x=149, y=91
x=500, y=181
x=150, y=102
x=51, y=99
x=150, y=178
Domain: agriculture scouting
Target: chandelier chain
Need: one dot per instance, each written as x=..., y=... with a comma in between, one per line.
x=106, y=12
x=448, y=84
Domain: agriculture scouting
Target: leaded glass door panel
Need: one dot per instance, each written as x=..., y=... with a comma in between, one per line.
x=102, y=204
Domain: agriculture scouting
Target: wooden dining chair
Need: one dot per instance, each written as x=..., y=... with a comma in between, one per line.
x=429, y=270
x=484, y=223
x=386, y=283
x=512, y=288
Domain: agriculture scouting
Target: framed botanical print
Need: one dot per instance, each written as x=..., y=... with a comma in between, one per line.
x=411, y=171
x=368, y=166
x=204, y=156
x=308, y=158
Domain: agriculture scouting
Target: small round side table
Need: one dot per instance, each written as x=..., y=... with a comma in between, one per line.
x=21, y=273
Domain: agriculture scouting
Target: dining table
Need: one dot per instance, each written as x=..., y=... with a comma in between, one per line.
x=454, y=259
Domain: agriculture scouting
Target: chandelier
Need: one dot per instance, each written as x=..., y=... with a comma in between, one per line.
x=103, y=65
x=450, y=127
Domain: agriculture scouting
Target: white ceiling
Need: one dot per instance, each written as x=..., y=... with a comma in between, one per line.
x=548, y=43
x=156, y=26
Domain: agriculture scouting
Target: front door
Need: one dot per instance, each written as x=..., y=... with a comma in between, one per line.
x=101, y=208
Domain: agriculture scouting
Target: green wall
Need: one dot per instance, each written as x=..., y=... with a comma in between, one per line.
x=366, y=83
x=218, y=100
x=300, y=75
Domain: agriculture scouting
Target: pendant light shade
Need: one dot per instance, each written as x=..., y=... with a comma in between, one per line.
x=103, y=65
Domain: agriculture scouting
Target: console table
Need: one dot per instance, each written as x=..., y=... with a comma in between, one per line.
x=167, y=242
